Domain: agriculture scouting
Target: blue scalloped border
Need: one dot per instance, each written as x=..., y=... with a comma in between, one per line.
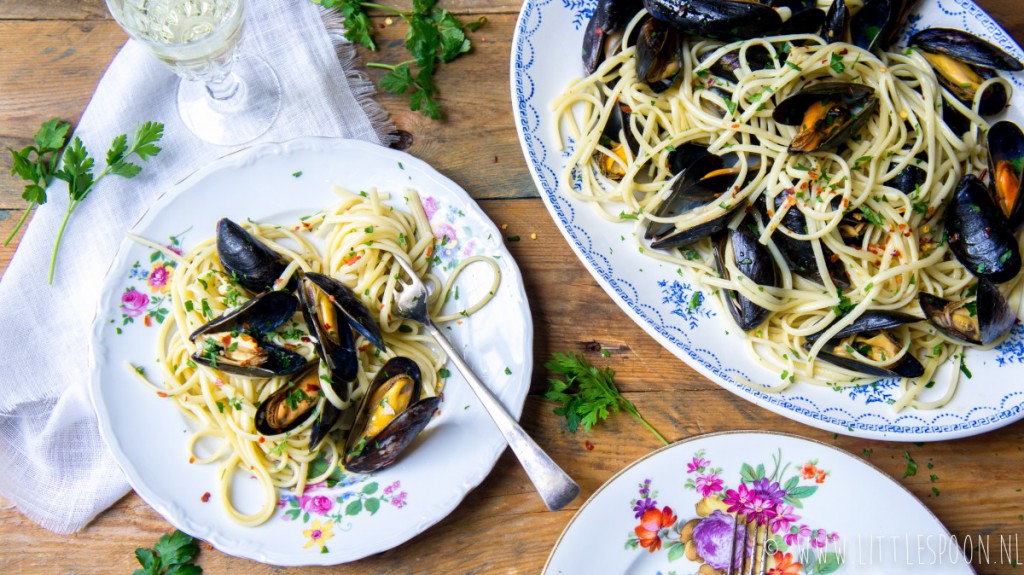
x=1009, y=408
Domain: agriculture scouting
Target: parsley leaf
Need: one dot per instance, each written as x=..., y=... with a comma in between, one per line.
x=587, y=394
x=170, y=556
x=37, y=165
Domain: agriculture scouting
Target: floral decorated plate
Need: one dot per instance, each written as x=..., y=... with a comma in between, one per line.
x=348, y=516
x=545, y=57
x=820, y=509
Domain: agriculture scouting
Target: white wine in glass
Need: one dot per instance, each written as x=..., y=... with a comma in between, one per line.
x=225, y=97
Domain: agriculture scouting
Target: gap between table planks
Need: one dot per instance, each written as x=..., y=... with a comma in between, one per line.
x=502, y=526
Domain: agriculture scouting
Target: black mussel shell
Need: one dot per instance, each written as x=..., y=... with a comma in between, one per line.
x=978, y=321
x=367, y=454
x=680, y=159
x=870, y=322
x=658, y=55
x=957, y=122
x=752, y=260
x=758, y=58
x=289, y=406
x=1006, y=166
x=979, y=234
x=332, y=336
x=909, y=179
x=350, y=306
x=965, y=47
x=252, y=264
x=696, y=162
x=837, y=22
x=727, y=20
x=604, y=30
x=324, y=423
x=877, y=23
x=276, y=360
x=262, y=314
x=804, y=22
x=845, y=107
x=617, y=133
x=799, y=254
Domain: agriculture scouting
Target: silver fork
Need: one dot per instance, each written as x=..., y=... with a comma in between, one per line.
x=752, y=560
x=555, y=486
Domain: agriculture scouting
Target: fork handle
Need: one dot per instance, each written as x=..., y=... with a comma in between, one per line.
x=555, y=486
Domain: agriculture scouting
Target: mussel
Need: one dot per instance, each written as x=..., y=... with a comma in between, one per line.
x=290, y=405
x=828, y=113
x=876, y=25
x=346, y=302
x=908, y=180
x=726, y=20
x=658, y=55
x=1006, y=165
x=868, y=337
x=332, y=335
x=962, y=62
x=979, y=234
x=799, y=254
x=247, y=260
x=617, y=136
x=603, y=35
x=979, y=319
x=837, y=22
x=758, y=58
x=684, y=156
x=751, y=259
x=706, y=180
x=236, y=342
x=390, y=416
x=804, y=16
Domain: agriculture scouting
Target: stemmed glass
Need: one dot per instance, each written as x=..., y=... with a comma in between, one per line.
x=225, y=97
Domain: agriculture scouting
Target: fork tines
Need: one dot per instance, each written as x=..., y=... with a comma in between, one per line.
x=749, y=547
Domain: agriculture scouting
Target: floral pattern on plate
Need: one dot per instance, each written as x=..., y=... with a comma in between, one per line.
x=454, y=239
x=147, y=296
x=769, y=501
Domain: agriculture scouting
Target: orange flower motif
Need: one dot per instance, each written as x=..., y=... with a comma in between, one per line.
x=809, y=471
x=651, y=523
x=148, y=321
x=784, y=565
x=820, y=477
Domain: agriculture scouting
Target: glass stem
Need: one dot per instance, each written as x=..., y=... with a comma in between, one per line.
x=224, y=88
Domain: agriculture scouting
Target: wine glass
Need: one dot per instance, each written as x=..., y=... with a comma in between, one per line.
x=225, y=97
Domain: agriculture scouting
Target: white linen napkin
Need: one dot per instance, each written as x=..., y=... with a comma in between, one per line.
x=55, y=467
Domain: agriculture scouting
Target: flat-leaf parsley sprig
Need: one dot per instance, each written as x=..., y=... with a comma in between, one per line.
x=171, y=555
x=77, y=169
x=587, y=394
x=433, y=36
x=37, y=165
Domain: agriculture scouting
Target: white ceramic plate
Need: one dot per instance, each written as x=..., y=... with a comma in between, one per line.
x=833, y=513
x=360, y=515
x=545, y=57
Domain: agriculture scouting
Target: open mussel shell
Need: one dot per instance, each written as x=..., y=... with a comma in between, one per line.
x=867, y=335
x=876, y=25
x=804, y=22
x=389, y=418
x=828, y=113
x=1006, y=165
x=684, y=156
x=837, y=22
x=332, y=336
x=909, y=179
x=799, y=254
x=962, y=62
x=618, y=137
x=350, y=306
x=979, y=234
x=978, y=320
x=752, y=260
x=758, y=58
x=603, y=35
x=289, y=406
x=234, y=342
x=727, y=20
x=658, y=55
x=247, y=260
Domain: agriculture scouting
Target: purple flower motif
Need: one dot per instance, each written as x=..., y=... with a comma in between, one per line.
x=784, y=517
x=429, y=207
x=318, y=504
x=762, y=510
x=399, y=500
x=174, y=249
x=642, y=505
x=446, y=234
x=713, y=538
x=769, y=490
x=134, y=302
x=698, y=464
x=708, y=484
x=833, y=537
x=802, y=534
x=820, y=539
x=158, y=277
x=739, y=500
x=392, y=487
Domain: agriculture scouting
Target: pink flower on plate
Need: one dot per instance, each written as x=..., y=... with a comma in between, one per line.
x=429, y=207
x=803, y=533
x=174, y=249
x=399, y=500
x=134, y=302
x=820, y=539
x=740, y=499
x=319, y=504
x=446, y=235
x=709, y=484
x=698, y=464
x=392, y=487
x=783, y=519
x=159, y=277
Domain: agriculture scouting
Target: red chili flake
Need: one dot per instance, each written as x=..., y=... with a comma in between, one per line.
x=191, y=459
x=161, y=394
x=364, y=347
x=735, y=126
x=296, y=228
x=226, y=339
x=205, y=497
x=305, y=339
x=833, y=258
x=588, y=445
x=895, y=253
x=843, y=51
x=984, y=174
x=262, y=439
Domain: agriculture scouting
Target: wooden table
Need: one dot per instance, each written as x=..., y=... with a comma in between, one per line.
x=53, y=52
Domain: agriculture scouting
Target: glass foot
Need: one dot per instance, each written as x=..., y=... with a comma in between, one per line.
x=242, y=115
